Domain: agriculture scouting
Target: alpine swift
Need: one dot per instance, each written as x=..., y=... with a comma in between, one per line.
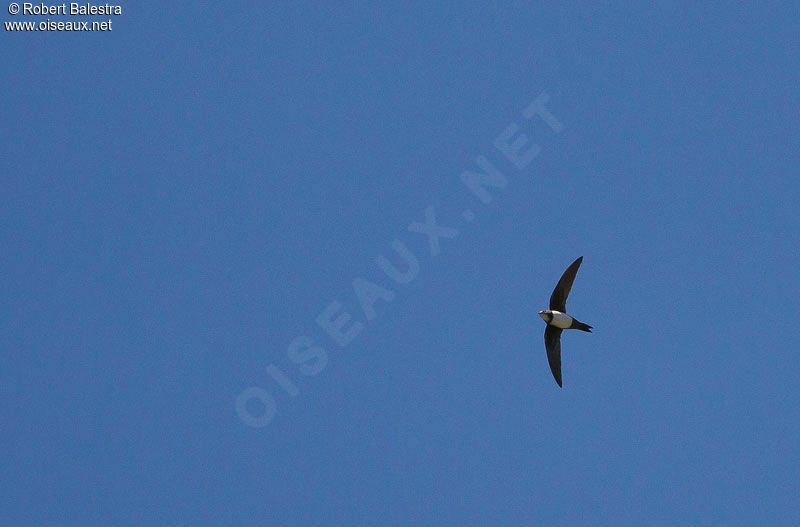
x=558, y=320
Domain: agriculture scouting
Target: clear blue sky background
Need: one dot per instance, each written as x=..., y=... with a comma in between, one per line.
x=184, y=195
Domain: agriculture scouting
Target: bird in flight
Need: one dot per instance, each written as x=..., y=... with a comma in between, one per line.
x=558, y=320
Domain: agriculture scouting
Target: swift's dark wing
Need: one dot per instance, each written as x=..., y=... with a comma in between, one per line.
x=558, y=300
x=552, y=341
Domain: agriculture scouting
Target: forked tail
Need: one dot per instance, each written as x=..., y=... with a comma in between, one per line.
x=581, y=326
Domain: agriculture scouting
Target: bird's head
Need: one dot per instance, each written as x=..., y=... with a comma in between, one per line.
x=547, y=316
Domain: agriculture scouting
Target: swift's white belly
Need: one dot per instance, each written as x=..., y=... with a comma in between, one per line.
x=561, y=320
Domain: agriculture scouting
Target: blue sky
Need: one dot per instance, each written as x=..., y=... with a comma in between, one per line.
x=184, y=195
